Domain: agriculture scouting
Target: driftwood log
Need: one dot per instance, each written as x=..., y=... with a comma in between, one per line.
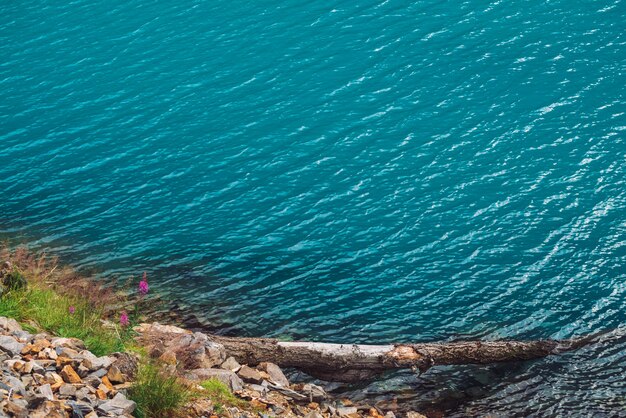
x=349, y=363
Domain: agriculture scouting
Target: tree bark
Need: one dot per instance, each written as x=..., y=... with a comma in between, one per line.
x=349, y=363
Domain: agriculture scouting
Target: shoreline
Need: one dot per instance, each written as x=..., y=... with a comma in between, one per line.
x=63, y=283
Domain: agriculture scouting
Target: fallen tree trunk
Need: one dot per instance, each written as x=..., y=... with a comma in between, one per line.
x=349, y=363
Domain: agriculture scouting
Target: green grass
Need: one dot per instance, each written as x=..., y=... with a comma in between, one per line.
x=220, y=395
x=50, y=310
x=156, y=394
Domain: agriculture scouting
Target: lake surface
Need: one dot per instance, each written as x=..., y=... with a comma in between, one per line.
x=366, y=171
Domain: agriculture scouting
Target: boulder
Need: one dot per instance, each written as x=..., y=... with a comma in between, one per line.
x=276, y=374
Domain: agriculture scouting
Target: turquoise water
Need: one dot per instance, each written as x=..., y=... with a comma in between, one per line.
x=363, y=172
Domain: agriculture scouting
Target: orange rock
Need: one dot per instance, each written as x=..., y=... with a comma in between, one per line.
x=100, y=394
x=40, y=345
x=313, y=405
x=63, y=361
x=69, y=375
x=106, y=382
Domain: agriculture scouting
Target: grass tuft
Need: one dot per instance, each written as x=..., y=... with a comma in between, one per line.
x=157, y=395
x=220, y=395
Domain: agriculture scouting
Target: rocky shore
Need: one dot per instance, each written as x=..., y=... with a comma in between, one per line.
x=46, y=376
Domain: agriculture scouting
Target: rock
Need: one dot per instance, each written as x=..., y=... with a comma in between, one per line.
x=248, y=374
x=390, y=414
x=169, y=357
x=69, y=375
x=82, y=371
x=10, y=345
x=276, y=374
x=344, y=411
x=106, y=382
x=101, y=394
x=82, y=394
x=231, y=364
x=413, y=414
x=46, y=391
x=127, y=363
x=115, y=375
x=118, y=405
x=9, y=324
x=227, y=377
x=315, y=392
x=67, y=390
x=16, y=410
x=314, y=414
x=16, y=384
x=49, y=409
x=192, y=350
x=73, y=343
x=54, y=379
x=15, y=364
x=94, y=363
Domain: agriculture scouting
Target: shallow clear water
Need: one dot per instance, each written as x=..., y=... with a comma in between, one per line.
x=358, y=172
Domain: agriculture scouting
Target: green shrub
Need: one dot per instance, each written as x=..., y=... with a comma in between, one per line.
x=157, y=395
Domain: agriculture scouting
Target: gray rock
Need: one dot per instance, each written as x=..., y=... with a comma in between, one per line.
x=46, y=391
x=22, y=335
x=95, y=363
x=16, y=384
x=93, y=380
x=118, y=405
x=315, y=392
x=73, y=343
x=227, y=377
x=9, y=324
x=276, y=374
x=231, y=364
x=10, y=345
x=67, y=390
x=248, y=374
x=100, y=373
x=83, y=394
x=346, y=410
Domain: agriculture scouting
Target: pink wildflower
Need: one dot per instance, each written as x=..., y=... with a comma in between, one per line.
x=72, y=310
x=143, y=284
x=124, y=319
